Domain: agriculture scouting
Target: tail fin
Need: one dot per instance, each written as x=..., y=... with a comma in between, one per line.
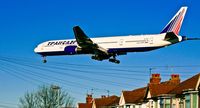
x=175, y=23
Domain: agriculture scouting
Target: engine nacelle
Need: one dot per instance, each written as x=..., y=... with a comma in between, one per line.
x=72, y=50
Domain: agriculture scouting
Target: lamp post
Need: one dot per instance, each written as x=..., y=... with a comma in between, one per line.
x=57, y=89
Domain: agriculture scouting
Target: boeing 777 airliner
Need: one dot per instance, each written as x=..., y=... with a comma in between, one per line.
x=102, y=48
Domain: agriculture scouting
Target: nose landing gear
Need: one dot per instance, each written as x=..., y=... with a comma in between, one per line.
x=44, y=59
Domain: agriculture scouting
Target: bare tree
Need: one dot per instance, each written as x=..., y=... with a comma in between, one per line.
x=29, y=101
x=47, y=97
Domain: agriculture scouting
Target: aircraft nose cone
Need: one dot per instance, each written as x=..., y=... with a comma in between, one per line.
x=36, y=50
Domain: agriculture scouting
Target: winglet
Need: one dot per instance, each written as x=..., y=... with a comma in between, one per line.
x=175, y=23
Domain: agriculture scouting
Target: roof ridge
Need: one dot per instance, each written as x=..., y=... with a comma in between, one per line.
x=134, y=89
x=191, y=77
x=183, y=85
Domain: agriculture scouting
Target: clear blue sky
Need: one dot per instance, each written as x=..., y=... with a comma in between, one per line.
x=26, y=23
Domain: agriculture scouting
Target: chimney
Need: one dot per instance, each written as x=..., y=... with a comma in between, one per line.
x=155, y=79
x=89, y=98
x=103, y=96
x=175, y=79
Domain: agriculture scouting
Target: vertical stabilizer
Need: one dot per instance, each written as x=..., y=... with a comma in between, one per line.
x=175, y=23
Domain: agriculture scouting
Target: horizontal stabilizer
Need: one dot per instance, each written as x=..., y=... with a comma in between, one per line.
x=185, y=38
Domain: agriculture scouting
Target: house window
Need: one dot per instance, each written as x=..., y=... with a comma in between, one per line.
x=156, y=103
x=187, y=101
x=151, y=104
x=127, y=106
x=194, y=98
x=181, y=104
x=173, y=101
x=167, y=103
x=161, y=103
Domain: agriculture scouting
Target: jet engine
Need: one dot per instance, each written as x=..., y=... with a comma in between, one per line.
x=71, y=50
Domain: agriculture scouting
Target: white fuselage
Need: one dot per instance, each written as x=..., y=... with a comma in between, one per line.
x=131, y=43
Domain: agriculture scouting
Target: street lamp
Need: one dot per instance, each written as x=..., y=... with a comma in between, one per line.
x=57, y=88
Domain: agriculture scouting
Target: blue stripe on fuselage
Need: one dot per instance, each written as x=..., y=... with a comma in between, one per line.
x=54, y=53
x=138, y=49
x=110, y=50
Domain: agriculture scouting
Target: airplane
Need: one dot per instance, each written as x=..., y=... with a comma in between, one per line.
x=102, y=48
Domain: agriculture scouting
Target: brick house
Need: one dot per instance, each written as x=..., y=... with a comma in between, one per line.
x=106, y=102
x=88, y=104
x=188, y=93
x=173, y=94
x=132, y=99
x=157, y=94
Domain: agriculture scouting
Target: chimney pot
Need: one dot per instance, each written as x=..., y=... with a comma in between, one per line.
x=175, y=78
x=103, y=96
x=89, y=98
x=155, y=79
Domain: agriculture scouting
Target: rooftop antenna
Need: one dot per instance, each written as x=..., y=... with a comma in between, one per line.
x=150, y=71
x=92, y=91
x=108, y=91
x=171, y=68
x=87, y=92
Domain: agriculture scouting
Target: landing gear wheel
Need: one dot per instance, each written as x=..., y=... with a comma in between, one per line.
x=111, y=60
x=114, y=61
x=93, y=57
x=44, y=61
x=117, y=61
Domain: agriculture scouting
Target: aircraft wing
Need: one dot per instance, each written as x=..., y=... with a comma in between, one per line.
x=86, y=43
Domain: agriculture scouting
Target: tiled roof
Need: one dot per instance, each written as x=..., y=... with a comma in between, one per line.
x=135, y=96
x=85, y=105
x=162, y=88
x=190, y=83
x=106, y=101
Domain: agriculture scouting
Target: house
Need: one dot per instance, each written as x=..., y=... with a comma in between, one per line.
x=106, y=102
x=157, y=92
x=132, y=99
x=172, y=93
x=188, y=93
x=88, y=103
x=103, y=102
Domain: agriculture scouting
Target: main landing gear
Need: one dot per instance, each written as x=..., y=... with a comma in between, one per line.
x=114, y=60
x=44, y=59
